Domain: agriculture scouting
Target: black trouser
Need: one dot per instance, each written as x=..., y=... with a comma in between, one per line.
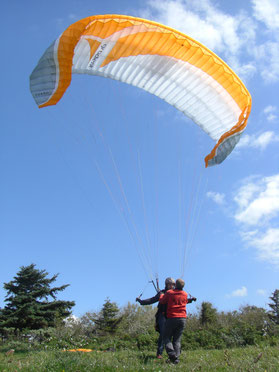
x=161, y=323
x=172, y=336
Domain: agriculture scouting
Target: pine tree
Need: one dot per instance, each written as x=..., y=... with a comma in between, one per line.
x=31, y=302
x=108, y=319
x=274, y=312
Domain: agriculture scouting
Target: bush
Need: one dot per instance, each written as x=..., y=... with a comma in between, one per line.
x=136, y=332
x=146, y=341
x=189, y=340
x=210, y=339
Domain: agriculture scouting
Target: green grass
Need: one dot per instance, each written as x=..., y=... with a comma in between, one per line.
x=242, y=359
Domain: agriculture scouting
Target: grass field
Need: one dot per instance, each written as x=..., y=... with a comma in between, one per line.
x=242, y=359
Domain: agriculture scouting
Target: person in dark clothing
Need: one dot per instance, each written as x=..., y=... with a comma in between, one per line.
x=176, y=301
x=160, y=314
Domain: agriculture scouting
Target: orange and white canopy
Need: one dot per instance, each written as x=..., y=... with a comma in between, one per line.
x=153, y=57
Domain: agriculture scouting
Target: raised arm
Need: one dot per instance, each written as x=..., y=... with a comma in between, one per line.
x=149, y=301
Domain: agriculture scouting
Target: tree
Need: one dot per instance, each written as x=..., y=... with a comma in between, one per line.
x=108, y=319
x=254, y=316
x=31, y=302
x=274, y=312
x=208, y=314
x=137, y=320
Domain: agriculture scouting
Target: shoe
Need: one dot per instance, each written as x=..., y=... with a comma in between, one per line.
x=173, y=361
x=159, y=356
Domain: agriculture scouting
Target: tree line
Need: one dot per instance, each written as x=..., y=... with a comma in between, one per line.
x=34, y=314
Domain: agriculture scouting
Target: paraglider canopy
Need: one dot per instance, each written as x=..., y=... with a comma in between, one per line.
x=153, y=57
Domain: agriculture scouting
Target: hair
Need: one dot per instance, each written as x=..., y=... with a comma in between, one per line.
x=179, y=284
x=169, y=281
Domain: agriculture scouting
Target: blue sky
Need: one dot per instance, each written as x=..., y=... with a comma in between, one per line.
x=62, y=186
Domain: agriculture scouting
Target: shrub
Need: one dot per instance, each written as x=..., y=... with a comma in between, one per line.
x=146, y=341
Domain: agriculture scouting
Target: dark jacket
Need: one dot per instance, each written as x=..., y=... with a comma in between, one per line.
x=162, y=309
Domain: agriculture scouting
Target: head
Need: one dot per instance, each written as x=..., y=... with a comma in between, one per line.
x=179, y=284
x=169, y=283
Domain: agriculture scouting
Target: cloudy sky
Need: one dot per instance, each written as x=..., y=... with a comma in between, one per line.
x=65, y=171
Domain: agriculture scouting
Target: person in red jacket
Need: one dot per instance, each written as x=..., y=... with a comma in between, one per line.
x=176, y=301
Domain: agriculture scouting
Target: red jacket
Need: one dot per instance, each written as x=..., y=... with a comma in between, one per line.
x=176, y=301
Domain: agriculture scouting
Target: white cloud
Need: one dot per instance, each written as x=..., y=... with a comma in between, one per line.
x=267, y=11
x=270, y=113
x=269, y=109
x=271, y=117
x=260, y=141
x=261, y=292
x=257, y=213
x=267, y=55
x=71, y=321
x=216, y=197
x=258, y=201
x=241, y=292
x=246, y=71
x=245, y=194
x=266, y=244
